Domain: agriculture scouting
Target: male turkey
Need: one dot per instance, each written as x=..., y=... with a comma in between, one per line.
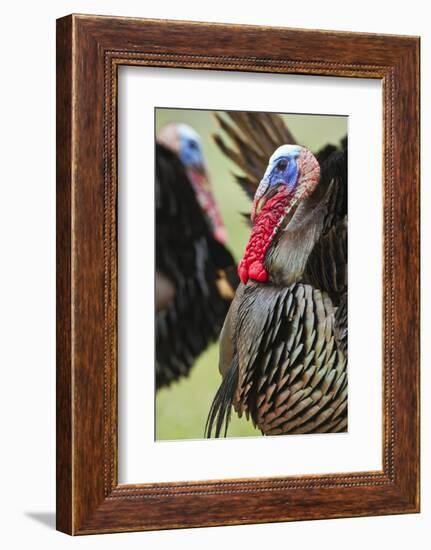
x=195, y=272
x=283, y=346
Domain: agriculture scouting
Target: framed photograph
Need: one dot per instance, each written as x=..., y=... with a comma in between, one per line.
x=237, y=274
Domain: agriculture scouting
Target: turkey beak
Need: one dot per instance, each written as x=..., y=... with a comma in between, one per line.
x=258, y=207
x=199, y=168
x=199, y=177
x=259, y=198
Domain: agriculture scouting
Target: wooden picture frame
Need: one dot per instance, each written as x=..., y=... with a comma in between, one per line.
x=89, y=52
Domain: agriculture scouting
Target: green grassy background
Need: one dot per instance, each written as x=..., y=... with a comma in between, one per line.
x=181, y=409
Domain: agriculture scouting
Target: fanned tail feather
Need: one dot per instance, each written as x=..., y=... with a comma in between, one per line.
x=221, y=406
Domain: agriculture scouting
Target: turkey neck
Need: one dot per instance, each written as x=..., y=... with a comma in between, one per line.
x=282, y=239
x=288, y=254
x=207, y=202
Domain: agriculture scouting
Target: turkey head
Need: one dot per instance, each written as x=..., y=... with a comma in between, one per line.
x=186, y=143
x=292, y=174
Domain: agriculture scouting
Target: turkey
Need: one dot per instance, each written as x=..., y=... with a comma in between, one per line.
x=283, y=345
x=195, y=272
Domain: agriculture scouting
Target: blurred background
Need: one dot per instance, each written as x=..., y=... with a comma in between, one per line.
x=182, y=408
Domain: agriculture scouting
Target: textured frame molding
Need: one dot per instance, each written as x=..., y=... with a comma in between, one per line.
x=89, y=51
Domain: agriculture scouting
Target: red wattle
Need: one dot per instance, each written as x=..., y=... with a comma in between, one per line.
x=243, y=271
x=258, y=272
x=252, y=265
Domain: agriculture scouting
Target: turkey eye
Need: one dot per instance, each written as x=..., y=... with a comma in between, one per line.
x=282, y=165
x=193, y=145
